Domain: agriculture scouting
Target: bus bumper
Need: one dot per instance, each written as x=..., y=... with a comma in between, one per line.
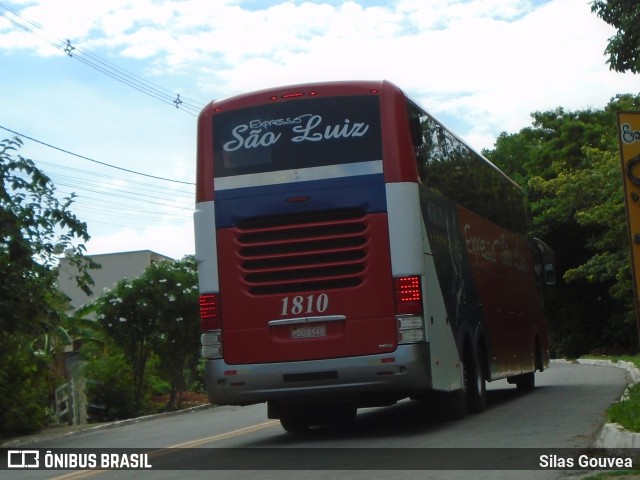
x=359, y=380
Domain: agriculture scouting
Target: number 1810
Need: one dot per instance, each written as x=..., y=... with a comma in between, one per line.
x=301, y=304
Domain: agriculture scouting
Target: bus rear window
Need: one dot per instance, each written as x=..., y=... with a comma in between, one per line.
x=297, y=134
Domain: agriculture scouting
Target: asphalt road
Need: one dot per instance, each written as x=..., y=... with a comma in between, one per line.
x=565, y=411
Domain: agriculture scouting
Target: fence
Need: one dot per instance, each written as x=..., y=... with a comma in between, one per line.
x=71, y=402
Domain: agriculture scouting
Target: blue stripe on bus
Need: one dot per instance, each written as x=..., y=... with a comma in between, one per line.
x=365, y=192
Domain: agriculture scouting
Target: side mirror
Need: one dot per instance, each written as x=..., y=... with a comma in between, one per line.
x=549, y=273
x=545, y=259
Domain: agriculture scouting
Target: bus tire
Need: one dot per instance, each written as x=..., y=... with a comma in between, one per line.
x=526, y=382
x=475, y=382
x=343, y=416
x=294, y=422
x=456, y=406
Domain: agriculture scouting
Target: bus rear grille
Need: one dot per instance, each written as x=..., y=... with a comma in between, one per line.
x=295, y=253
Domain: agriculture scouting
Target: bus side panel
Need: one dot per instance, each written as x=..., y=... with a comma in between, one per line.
x=411, y=255
x=451, y=263
x=446, y=366
x=205, y=245
x=488, y=284
x=502, y=268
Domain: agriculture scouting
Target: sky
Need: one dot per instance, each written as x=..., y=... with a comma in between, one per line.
x=102, y=122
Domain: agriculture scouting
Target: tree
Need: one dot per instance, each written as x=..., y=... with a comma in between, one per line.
x=129, y=316
x=624, y=47
x=567, y=163
x=25, y=386
x=179, y=324
x=591, y=199
x=35, y=227
x=155, y=313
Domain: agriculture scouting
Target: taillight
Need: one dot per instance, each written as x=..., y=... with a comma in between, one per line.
x=408, y=294
x=211, y=342
x=298, y=94
x=411, y=329
x=210, y=312
x=409, y=309
x=211, y=325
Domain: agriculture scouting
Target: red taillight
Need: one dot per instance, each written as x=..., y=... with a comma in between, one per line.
x=286, y=96
x=408, y=294
x=210, y=312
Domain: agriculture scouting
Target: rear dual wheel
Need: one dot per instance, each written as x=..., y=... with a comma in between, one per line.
x=475, y=383
x=295, y=422
x=525, y=382
x=473, y=397
x=299, y=420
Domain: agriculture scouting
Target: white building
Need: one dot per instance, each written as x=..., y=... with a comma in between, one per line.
x=115, y=267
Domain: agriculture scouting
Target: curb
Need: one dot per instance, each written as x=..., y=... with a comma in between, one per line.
x=614, y=435
x=53, y=434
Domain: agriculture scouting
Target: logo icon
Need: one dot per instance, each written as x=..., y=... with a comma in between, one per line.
x=23, y=458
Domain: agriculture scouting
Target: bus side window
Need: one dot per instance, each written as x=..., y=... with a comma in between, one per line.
x=416, y=131
x=545, y=262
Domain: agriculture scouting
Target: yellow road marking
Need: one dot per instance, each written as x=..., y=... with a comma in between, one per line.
x=190, y=444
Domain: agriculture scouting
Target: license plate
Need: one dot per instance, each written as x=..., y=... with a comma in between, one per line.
x=309, y=331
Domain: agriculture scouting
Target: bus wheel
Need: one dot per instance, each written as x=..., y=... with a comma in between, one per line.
x=343, y=416
x=294, y=422
x=475, y=383
x=525, y=382
x=456, y=407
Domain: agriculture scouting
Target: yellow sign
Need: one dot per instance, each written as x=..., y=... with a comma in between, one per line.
x=629, y=138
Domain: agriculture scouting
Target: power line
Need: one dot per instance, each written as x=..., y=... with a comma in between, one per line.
x=89, y=178
x=127, y=195
x=103, y=66
x=139, y=185
x=94, y=161
x=93, y=182
x=100, y=196
x=115, y=200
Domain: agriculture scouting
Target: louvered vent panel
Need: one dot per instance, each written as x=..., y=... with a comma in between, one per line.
x=296, y=253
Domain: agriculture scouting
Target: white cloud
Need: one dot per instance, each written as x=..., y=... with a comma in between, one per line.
x=172, y=241
x=481, y=65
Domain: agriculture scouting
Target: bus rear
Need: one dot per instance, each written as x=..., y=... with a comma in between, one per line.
x=301, y=306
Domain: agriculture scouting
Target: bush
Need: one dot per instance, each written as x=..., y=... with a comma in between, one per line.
x=24, y=387
x=110, y=387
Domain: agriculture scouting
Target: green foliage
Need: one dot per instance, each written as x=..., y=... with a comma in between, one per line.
x=610, y=474
x=25, y=385
x=197, y=379
x=35, y=227
x=129, y=316
x=568, y=164
x=156, y=313
x=635, y=359
x=627, y=412
x=624, y=15
x=179, y=331
x=156, y=384
x=110, y=386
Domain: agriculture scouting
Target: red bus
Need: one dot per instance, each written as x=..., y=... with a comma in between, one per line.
x=353, y=252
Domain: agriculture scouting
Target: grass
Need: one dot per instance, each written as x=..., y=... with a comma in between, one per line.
x=625, y=412
x=604, y=475
x=635, y=359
